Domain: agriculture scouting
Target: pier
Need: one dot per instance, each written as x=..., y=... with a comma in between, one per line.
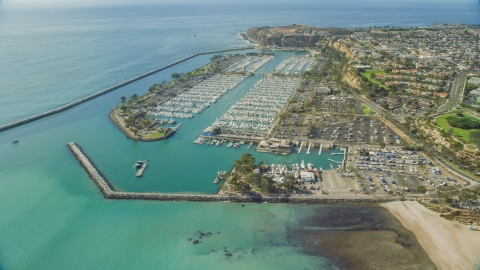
x=308, y=150
x=109, y=193
x=320, y=151
x=140, y=171
x=219, y=177
x=107, y=90
x=300, y=150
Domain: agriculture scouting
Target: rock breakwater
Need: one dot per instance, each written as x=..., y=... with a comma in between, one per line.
x=109, y=193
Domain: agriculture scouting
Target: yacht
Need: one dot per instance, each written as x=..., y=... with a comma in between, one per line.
x=310, y=166
x=139, y=164
x=302, y=165
x=14, y=141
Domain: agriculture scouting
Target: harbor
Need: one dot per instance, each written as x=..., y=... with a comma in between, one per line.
x=109, y=193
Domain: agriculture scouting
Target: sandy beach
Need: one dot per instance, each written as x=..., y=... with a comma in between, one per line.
x=449, y=244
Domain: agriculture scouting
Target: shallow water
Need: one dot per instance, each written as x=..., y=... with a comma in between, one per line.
x=52, y=215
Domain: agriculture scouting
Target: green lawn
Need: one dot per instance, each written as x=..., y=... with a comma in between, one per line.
x=367, y=110
x=156, y=135
x=462, y=134
x=200, y=70
x=367, y=74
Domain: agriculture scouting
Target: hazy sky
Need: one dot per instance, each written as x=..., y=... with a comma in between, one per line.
x=80, y=3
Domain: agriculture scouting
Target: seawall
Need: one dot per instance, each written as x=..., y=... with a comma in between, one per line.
x=107, y=90
x=110, y=193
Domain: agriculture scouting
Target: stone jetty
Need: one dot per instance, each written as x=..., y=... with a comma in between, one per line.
x=107, y=90
x=110, y=193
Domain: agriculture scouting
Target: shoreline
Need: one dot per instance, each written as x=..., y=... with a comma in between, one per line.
x=449, y=245
x=132, y=136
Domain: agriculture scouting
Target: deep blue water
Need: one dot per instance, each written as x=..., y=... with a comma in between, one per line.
x=52, y=216
x=51, y=58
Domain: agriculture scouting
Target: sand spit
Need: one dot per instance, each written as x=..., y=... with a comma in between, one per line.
x=449, y=244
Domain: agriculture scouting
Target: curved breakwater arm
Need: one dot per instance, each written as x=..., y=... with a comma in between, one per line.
x=109, y=89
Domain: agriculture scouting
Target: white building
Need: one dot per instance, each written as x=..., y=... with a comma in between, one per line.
x=307, y=176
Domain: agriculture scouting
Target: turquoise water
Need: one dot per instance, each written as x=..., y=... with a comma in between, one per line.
x=175, y=165
x=52, y=216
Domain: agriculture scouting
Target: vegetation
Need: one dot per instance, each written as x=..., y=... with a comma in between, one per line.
x=421, y=189
x=370, y=76
x=462, y=134
x=367, y=110
x=156, y=135
x=463, y=122
x=243, y=177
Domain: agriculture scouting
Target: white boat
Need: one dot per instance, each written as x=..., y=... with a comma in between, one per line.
x=302, y=165
x=229, y=145
x=310, y=166
x=14, y=141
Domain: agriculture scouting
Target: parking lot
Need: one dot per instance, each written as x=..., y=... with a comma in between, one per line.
x=347, y=130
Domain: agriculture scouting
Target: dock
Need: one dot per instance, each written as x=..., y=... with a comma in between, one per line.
x=219, y=177
x=308, y=150
x=320, y=151
x=339, y=162
x=300, y=150
x=250, y=145
x=140, y=171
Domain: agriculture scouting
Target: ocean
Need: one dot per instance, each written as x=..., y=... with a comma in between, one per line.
x=52, y=216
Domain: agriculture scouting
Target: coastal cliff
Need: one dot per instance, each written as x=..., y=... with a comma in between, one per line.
x=291, y=36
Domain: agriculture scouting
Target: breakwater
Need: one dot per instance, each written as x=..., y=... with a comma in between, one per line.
x=109, y=193
x=107, y=90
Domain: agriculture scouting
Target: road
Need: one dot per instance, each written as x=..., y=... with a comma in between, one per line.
x=455, y=95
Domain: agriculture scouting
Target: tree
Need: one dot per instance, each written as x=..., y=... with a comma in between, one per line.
x=175, y=76
x=123, y=99
x=242, y=187
x=245, y=164
x=446, y=193
x=133, y=97
x=289, y=182
x=421, y=189
x=467, y=195
x=265, y=185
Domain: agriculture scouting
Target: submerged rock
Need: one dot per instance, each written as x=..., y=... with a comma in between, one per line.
x=195, y=241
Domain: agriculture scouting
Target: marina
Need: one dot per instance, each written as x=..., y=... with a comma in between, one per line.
x=257, y=110
x=250, y=63
x=295, y=65
x=197, y=98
